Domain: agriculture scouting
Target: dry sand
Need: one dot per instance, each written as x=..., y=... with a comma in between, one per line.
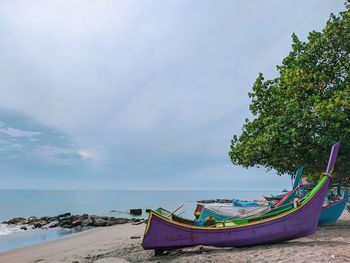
x=114, y=244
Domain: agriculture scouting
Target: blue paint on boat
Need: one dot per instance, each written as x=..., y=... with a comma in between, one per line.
x=217, y=215
x=240, y=203
x=330, y=214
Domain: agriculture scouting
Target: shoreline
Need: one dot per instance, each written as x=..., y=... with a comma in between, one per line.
x=328, y=244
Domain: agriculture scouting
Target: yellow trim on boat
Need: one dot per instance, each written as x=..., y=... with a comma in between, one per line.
x=228, y=227
x=148, y=221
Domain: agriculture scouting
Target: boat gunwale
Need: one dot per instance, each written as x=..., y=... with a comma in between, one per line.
x=257, y=222
x=337, y=202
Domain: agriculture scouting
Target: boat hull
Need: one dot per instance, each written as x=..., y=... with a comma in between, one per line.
x=164, y=234
x=330, y=215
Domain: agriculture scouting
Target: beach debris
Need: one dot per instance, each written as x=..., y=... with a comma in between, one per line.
x=139, y=221
x=332, y=257
x=135, y=237
x=136, y=212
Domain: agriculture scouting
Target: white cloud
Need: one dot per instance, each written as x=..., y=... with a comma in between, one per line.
x=87, y=154
x=18, y=133
x=151, y=81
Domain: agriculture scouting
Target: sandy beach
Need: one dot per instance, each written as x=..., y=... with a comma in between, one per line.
x=122, y=243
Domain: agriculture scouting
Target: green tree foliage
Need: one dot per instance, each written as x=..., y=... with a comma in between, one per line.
x=300, y=114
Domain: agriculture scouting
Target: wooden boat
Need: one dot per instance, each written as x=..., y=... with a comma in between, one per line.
x=281, y=198
x=162, y=233
x=285, y=202
x=273, y=197
x=332, y=211
x=172, y=216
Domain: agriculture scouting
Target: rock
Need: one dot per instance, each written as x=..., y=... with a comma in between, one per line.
x=31, y=220
x=87, y=222
x=66, y=218
x=113, y=211
x=39, y=224
x=24, y=228
x=148, y=210
x=52, y=224
x=16, y=221
x=136, y=212
x=77, y=222
x=100, y=222
x=64, y=215
x=66, y=223
x=85, y=216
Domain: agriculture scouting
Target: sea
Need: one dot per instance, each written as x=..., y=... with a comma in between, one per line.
x=117, y=203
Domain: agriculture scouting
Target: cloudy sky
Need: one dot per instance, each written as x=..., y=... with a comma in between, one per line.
x=141, y=94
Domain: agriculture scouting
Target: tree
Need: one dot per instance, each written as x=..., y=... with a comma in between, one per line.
x=299, y=115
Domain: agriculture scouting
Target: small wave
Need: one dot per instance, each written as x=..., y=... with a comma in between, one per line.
x=9, y=229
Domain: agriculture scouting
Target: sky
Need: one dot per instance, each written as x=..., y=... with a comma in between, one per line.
x=138, y=94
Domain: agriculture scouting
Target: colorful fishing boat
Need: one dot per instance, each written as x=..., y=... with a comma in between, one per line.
x=163, y=233
x=281, y=199
x=273, y=197
x=331, y=212
x=286, y=202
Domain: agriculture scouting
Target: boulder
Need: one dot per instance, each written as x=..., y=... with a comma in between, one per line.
x=66, y=224
x=16, y=221
x=66, y=218
x=52, y=224
x=77, y=221
x=100, y=222
x=87, y=222
x=136, y=212
x=64, y=215
x=24, y=228
x=39, y=223
x=31, y=220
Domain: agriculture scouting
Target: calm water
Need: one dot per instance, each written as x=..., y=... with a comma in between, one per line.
x=25, y=203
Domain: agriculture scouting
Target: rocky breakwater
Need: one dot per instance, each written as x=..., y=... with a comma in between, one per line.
x=68, y=220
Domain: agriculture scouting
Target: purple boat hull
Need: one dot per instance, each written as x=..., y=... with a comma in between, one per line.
x=163, y=234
